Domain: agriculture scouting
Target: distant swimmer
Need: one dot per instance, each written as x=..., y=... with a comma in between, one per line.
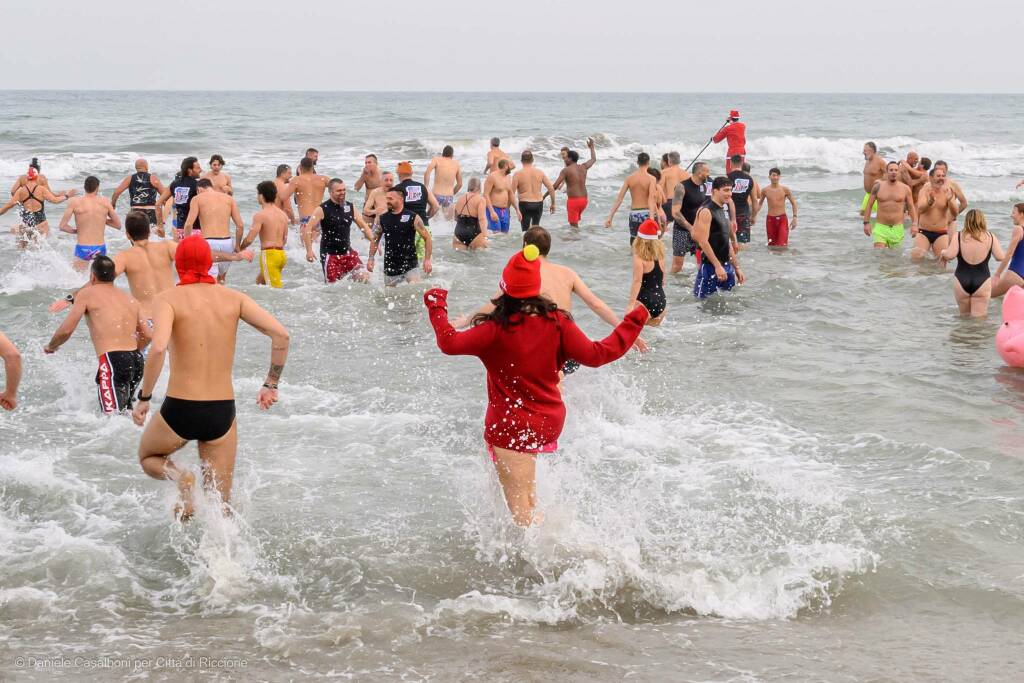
x=284, y=190
x=377, y=201
x=1011, y=270
x=558, y=283
x=221, y=180
x=313, y=154
x=746, y=199
x=470, y=219
x=309, y=188
x=369, y=180
x=720, y=269
x=214, y=210
x=270, y=224
x=671, y=175
x=118, y=330
x=418, y=199
x=335, y=217
x=144, y=190
x=935, y=203
x=736, y=133
x=574, y=177
x=777, y=224
x=182, y=191
x=399, y=227
x=972, y=248
x=957, y=191
x=893, y=200
x=12, y=373
x=648, y=285
x=874, y=170
x=659, y=198
x=689, y=195
x=494, y=154
x=528, y=183
x=447, y=179
x=198, y=322
x=500, y=197
x=30, y=195
x=523, y=343
x=641, y=186
x=93, y=214
x=912, y=174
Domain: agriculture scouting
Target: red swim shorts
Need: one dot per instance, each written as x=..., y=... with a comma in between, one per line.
x=337, y=266
x=575, y=206
x=546, y=448
x=778, y=230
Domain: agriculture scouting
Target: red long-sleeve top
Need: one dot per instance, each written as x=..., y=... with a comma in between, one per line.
x=525, y=410
x=736, y=134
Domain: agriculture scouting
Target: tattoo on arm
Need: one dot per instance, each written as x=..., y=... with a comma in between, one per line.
x=275, y=372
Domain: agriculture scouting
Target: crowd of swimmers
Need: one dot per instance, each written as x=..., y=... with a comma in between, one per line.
x=524, y=334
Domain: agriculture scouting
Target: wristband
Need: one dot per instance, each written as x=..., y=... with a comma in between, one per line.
x=268, y=385
x=70, y=298
x=144, y=398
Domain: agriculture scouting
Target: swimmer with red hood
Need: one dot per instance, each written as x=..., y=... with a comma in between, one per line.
x=523, y=342
x=198, y=322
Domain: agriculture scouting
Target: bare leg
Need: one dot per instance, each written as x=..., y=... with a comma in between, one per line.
x=677, y=264
x=963, y=299
x=980, y=299
x=517, y=473
x=479, y=242
x=1006, y=281
x=158, y=442
x=218, y=457
x=458, y=246
x=920, y=247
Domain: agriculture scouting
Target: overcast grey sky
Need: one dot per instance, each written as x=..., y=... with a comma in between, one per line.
x=547, y=45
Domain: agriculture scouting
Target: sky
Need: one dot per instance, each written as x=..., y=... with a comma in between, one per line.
x=523, y=45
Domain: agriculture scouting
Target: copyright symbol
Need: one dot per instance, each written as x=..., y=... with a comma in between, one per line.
x=19, y=662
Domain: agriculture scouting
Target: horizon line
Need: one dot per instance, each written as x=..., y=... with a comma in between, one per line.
x=512, y=92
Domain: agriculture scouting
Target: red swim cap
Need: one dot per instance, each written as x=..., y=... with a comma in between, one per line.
x=521, y=277
x=193, y=261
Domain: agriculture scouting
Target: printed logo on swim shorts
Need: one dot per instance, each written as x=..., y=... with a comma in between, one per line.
x=107, y=401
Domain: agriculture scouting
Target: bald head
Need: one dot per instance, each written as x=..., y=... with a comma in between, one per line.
x=141, y=165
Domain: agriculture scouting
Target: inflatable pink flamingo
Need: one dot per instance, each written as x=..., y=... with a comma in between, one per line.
x=1010, y=338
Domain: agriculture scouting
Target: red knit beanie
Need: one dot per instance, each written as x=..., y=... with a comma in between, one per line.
x=521, y=277
x=193, y=260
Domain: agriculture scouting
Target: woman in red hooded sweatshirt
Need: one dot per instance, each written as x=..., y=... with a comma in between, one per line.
x=523, y=343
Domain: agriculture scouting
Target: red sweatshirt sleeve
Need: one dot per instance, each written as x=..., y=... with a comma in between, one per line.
x=593, y=354
x=451, y=342
x=720, y=135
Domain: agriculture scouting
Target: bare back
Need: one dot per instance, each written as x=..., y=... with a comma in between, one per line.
x=309, y=191
x=445, y=171
x=90, y=212
x=113, y=318
x=556, y=283
x=575, y=180
x=30, y=196
x=202, y=344
x=670, y=177
x=273, y=224
x=640, y=184
x=149, y=268
x=528, y=183
x=214, y=213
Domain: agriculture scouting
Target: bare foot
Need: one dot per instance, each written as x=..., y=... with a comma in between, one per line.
x=183, y=510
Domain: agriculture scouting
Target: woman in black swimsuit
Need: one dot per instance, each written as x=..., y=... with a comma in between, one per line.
x=648, y=286
x=470, y=219
x=972, y=248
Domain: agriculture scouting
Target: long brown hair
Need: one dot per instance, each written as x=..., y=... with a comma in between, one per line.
x=506, y=306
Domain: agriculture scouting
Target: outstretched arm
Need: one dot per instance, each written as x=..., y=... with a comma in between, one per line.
x=452, y=343
x=593, y=154
x=616, y=204
x=594, y=354
x=263, y=321
x=65, y=220
x=116, y=194
x=257, y=225
x=67, y=327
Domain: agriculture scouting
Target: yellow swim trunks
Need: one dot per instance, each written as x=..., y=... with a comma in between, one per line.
x=272, y=262
x=864, y=203
x=889, y=235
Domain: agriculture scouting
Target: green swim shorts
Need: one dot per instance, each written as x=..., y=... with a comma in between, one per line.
x=889, y=235
x=864, y=203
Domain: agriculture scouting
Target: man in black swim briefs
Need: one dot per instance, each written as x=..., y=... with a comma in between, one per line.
x=198, y=322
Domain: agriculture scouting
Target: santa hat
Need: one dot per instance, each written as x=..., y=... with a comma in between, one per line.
x=521, y=277
x=648, y=230
x=734, y=114
x=193, y=260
